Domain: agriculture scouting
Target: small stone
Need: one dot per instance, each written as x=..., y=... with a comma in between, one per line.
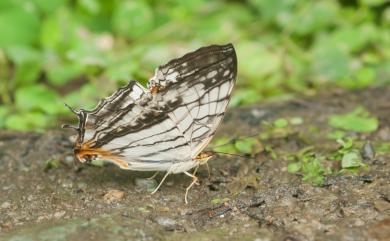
x=113, y=195
x=125, y=214
x=41, y=218
x=5, y=205
x=69, y=160
x=146, y=184
x=163, y=209
x=82, y=185
x=168, y=223
x=67, y=184
x=6, y=225
x=384, y=134
x=368, y=151
x=59, y=214
x=358, y=222
x=381, y=205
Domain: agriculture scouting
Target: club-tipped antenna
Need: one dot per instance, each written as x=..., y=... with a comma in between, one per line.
x=72, y=109
x=232, y=140
x=233, y=154
x=79, y=115
x=67, y=126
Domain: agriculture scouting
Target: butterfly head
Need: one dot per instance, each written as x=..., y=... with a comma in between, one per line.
x=86, y=154
x=87, y=158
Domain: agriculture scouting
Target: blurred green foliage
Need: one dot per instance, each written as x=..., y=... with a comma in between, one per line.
x=358, y=120
x=77, y=51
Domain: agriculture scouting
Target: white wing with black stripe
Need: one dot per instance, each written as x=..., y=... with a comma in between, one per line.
x=167, y=124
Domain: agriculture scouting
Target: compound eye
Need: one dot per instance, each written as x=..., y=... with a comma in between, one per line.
x=89, y=158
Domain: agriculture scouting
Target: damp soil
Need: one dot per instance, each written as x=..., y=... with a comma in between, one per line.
x=44, y=195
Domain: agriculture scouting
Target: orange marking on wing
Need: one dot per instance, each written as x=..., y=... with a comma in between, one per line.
x=103, y=154
x=156, y=89
x=153, y=89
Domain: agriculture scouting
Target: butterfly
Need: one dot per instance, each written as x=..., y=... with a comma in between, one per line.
x=166, y=126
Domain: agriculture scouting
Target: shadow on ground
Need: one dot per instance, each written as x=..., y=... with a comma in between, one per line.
x=62, y=201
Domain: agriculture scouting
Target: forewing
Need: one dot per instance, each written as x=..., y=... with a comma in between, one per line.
x=203, y=80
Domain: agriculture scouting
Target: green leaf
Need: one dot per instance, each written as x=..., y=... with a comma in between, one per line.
x=3, y=113
x=352, y=38
x=313, y=170
x=223, y=145
x=313, y=16
x=26, y=121
x=50, y=164
x=358, y=120
x=61, y=73
x=279, y=11
x=330, y=63
x=337, y=134
x=247, y=145
x=255, y=67
x=245, y=97
x=49, y=6
x=373, y=3
x=352, y=159
x=27, y=62
x=346, y=143
x=38, y=97
x=382, y=148
x=294, y=167
x=18, y=27
x=132, y=19
x=97, y=163
x=51, y=33
x=280, y=123
x=86, y=97
x=297, y=120
x=91, y=6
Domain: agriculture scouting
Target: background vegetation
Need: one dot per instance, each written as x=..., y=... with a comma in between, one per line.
x=77, y=51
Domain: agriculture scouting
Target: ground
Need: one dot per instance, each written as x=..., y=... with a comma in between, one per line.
x=46, y=196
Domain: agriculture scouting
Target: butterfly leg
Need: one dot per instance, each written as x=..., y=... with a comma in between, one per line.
x=194, y=181
x=159, y=185
x=154, y=175
x=208, y=170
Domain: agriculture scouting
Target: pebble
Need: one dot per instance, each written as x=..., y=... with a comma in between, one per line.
x=59, y=214
x=146, y=184
x=384, y=134
x=368, y=151
x=5, y=205
x=113, y=195
x=69, y=160
x=358, y=222
x=381, y=205
x=168, y=223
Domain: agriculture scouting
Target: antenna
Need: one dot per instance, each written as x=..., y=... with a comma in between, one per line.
x=233, y=140
x=233, y=154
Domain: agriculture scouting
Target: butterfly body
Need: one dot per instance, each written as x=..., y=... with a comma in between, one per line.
x=166, y=126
